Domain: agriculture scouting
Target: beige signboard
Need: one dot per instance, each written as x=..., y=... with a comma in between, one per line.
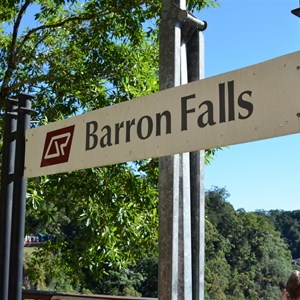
x=253, y=103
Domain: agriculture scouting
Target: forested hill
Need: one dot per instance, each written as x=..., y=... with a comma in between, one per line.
x=285, y=222
x=288, y=224
x=248, y=254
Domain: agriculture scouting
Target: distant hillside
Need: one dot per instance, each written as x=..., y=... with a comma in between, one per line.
x=288, y=224
x=247, y=255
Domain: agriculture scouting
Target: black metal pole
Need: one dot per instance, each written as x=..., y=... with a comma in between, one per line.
x=6, y=195
x=19, y=201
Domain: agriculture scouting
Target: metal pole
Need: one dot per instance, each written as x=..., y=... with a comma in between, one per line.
x=175, y=262
x=195, y=59
x=19, y=201
x=175, y=211
x=169, y=68
x=184, y=276
x=8, y=154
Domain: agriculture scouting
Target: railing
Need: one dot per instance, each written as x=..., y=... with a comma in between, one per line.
x=39, y=295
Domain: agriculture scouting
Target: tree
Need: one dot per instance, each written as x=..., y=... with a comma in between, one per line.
x=76, y=57
x=258, y=257
x=288, y=223
x=217, y=269
x=76, y=48
x=106, y=220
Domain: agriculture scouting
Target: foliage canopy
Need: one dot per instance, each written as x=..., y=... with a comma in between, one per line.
x=77, y=56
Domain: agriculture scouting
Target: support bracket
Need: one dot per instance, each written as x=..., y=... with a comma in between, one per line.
x=189, y=23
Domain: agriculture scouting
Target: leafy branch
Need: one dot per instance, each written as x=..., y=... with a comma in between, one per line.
x=12, y=51
x=15, y=50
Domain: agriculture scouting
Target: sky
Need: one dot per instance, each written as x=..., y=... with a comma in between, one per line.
x=261, y=175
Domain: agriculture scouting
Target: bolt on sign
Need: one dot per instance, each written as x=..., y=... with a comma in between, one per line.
x=257, y=102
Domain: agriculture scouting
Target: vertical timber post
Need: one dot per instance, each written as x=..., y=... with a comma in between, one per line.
x=19, y=201
x=181, y=232
x=6, y=195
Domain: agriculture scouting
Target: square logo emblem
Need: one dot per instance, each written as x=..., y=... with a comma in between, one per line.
x=57, y=146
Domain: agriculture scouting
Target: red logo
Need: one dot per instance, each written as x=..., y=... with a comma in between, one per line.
x=57, y=146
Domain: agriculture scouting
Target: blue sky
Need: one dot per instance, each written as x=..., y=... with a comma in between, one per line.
x=258, y=175
x=265, y=174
